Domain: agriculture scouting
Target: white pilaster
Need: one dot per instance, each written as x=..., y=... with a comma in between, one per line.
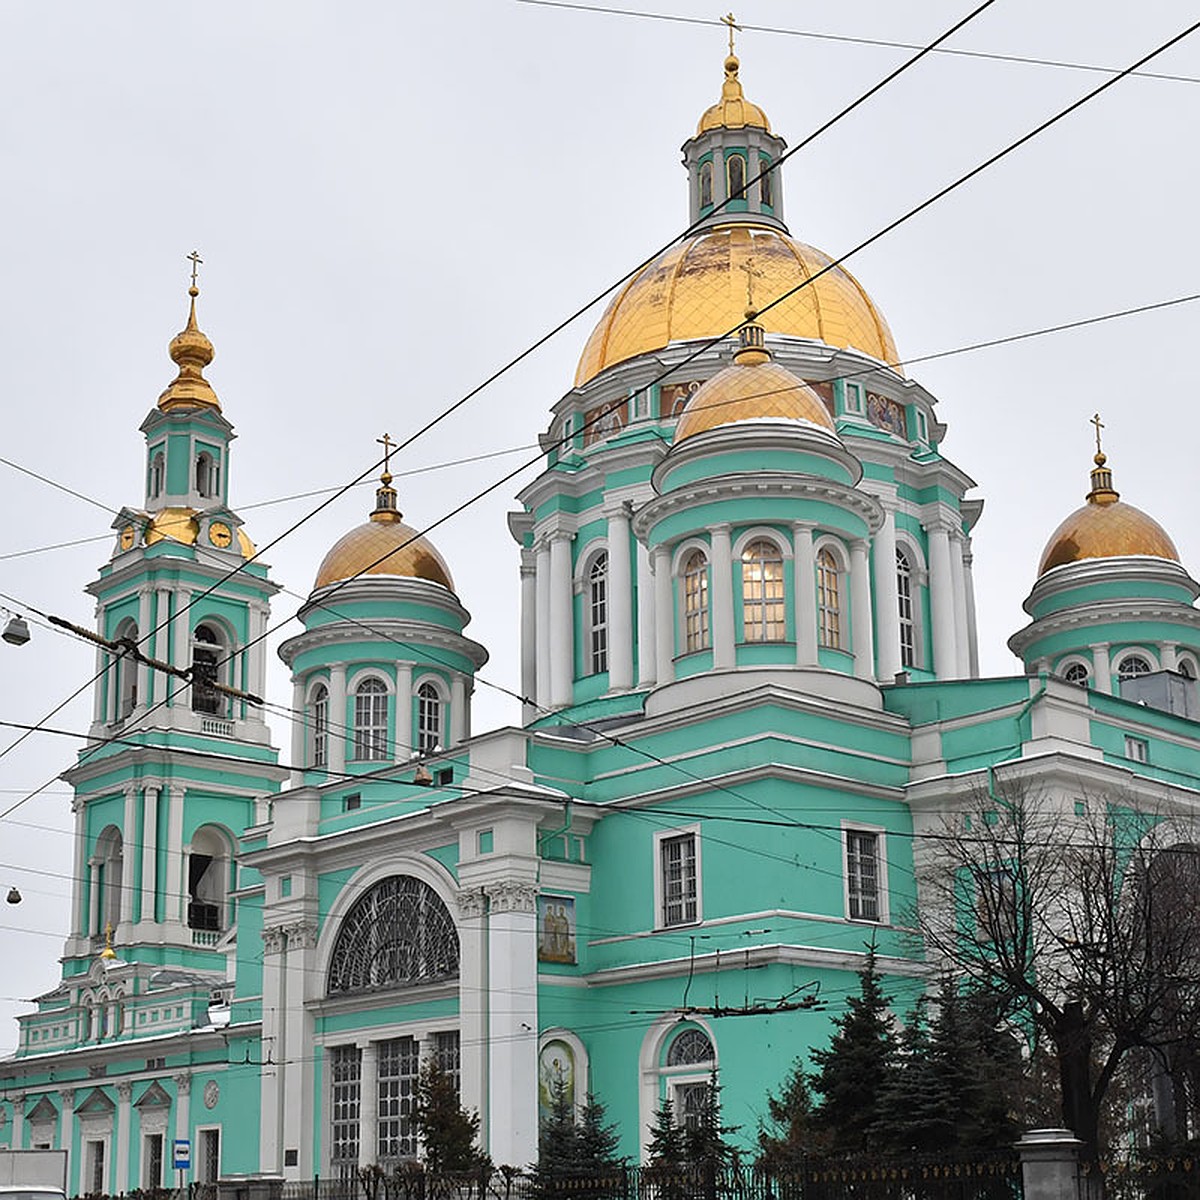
x=529, y=627
x=941, y=597
x=301, y=734
x=296, y=1055
x=80, y=879
x=806, y=595
x=861, y=620
x=67, y=1096
x=257, y=653
x=664, y=615
x=183, y=1105
x=270, y=1154
x=647, y=666
x=962, y=638
x=542, y=641
x=972, y=620
x=144, y=684
x=368, y=1090
x=620, y=601
x=887, y=600
x=458, y=710
x=162, y=626
x=562, y=622
x=123, y=1145
x=102, y=688
x=129, y=855
x=95, y=923
x=1102, y=665
x=722, y=598
x=473, y=992
x=1169, y=654
x=404, y=713
x=149, y=851
x=338, y=720
x=18, y=1129
x=173, y=895
x=181, y=657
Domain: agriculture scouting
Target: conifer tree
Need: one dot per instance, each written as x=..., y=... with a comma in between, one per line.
x=789, y=1135
x=576, y=1155
x=913, y=1111
x=667, y=1164
x=447, y=1130
x=705, y=1143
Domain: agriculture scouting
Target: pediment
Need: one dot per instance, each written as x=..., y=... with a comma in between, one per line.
x=97, y=1104
x=153, y=1097
x=43, y=1110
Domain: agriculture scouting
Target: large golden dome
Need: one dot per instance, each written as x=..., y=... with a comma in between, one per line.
x=697, y=289
x=1106, y=527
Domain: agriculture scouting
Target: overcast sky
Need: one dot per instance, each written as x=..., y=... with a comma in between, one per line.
x=391, y=201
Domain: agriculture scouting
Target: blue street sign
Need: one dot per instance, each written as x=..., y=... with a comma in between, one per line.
x=183, y=1154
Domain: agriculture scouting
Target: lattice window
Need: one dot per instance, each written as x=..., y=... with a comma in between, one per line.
x=690, y=1102
x=448, y=1051
x=598, y=615
x=762, y=592
x=320, y=727
x=399, y=1062
x=1132, y=665
x=429, y=718
x=1077, y=672
x=862, y=874
x=398, y=934
x=678, y=865
x=345, y=1073
x=695, y=602
x=829, y=604
x=690, y=1047
x=908, y=626
x=370, y=721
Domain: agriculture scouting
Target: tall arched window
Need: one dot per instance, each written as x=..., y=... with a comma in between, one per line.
x=370, y=721
x=107, y=872
x=706, y=182
x=319, y=707
x=398, y=934
x=695, y=602
x=125, y=673
x=762, y=592
x=1132, y=665
x=208, y=659
x=908, y=626
x=429, y=718
x=829, y=606
x=597, y=596
x=157, y=477
x=687, y=1073
x=735, y=166
x=206, y=474
x=766, y=191
x=208, y=882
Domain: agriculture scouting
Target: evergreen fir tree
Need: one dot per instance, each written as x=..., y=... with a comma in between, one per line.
x=598, y=1140
x=913, y=1110
x=791, y=1135
x=705, y=1143
x=856, y=1068
x=558, y=1142
x=447, y=1130
x=576, y=1156
x=667, y=1164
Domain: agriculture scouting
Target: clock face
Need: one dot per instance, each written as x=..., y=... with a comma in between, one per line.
x=128, y=537
x=220, y=534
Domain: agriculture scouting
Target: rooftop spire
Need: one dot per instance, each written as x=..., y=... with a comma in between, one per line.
x=1102, y=489
x=191, y=351
x=752, y=338
x=385, y=511
x=733, y=110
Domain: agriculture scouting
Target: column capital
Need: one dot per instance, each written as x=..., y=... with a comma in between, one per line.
x=124, y=1091
x=618, y=509
x=68, y=1097
x=301, y=935
x=941, y=523
x=528, y=561
x=472, y=902
x=18, y=1102
x=183, y=1082
x=272, y=936
x=508, y=896
x=859, y=546
x=801, y=526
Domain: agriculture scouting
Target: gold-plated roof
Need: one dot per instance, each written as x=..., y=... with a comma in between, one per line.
x=733, y=110
x=1105, y=527
x=697, y=289
x=191, y=351
x=181, y=524
x=384, y=545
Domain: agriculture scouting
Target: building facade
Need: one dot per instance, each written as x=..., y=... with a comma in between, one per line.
x=750, y=676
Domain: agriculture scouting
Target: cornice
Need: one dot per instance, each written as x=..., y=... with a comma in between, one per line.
x=1099, y=612
x=388, y=629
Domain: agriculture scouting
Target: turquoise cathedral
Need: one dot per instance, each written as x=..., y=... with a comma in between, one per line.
x=748, y=652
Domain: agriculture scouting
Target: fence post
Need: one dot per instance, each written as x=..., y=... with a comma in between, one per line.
x=1050, y=1164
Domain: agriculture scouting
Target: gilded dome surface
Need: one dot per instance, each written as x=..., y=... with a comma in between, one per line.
x=697, y=289
x=383, y=547
x=191, y=352
x=733, y=110
x=181, y=524
x=762, y=391
x=1106, y=530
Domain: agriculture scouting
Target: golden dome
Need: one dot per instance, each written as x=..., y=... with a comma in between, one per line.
x=384, y=545
x=733, y=110
x=753, y=389
x=1105, y=527
x=191, y=351
x=181, y=525
x=697, y=289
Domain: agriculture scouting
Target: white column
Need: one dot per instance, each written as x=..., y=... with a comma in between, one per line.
x=173, y=896
x=458, y=710
x=182, y=656
x=257, y=654
x=95, y=923
x=129, y=855
x=337, y=719
x=404, y=712
x=887, y=600
x=1169, y=653
x=513, y=1022
x=1103, y=668
x=296, y=1042
x=972, y=624
x=647, y=666
x=300, y=733
x=962, y=640
x=805, y=587
x=368, y=1112
x=183, y=1105
x=542, y=589
x=122, y=1136
x=149, y=851
x=529, y=627
x=143, y=671
x=102, y=688
x=941, y=595
x=620, y=602
x=270, y=1154
x=18, y=1129
x=861, y=619
x=562, y=621
x=664, y=615
x=721, y=598
x=67, y=1096
x=473, y=1001
x=80, y=880
x=162, y=638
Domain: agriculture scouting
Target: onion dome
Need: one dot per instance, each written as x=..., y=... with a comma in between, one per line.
x=753, y=388
x=384, y=545
x=1105, y=527
x=733, y=110
x=191, y=351
x=697, y=289
x=182, y=524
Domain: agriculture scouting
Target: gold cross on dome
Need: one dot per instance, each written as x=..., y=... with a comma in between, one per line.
x=386, y=443
x=195, y=259
x=728, y=19
x=752, y=273
x=1099, y=426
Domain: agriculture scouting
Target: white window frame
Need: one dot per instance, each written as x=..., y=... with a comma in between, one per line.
x=750, y=538
x=90, y=1141
x=838, y=552
x=389, y=713
x=855, y=402
x=1075, y=660
x=1135, y=652
x=443, y=699
x=146, y=1179
x=1137, y=748
x=318, y=734
x=881, y=878
x=198, y=1151
x=660, y=837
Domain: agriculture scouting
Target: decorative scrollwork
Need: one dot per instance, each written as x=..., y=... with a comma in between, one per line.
x=396, y=935
x=513, y=897
x=472, y=902
x=272, y=936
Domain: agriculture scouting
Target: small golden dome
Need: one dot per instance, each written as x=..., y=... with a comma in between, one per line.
x=384, y=545
x=733, y=110
x=697, y=289
x=1105, y=527
x=753, y=389
x=191, y=351
x=182, y=525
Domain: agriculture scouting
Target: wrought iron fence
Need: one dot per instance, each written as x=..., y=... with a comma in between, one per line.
x=1173, y=1176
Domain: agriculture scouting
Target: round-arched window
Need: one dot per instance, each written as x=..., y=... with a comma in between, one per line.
x=689, y=1048
x=399, y=934
x=1077, y=672
x=1133, y=664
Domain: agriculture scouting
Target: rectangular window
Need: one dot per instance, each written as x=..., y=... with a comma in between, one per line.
x=854, y=399
x=690, y=1101
x=995, y=906
x=399, y=1062
x=94, y=1167
x=863, y=875
x=152, y=1160
x=922, y=426
x=1138, y=749
x=345, y=1074
x=352, y=802
x=678, y=879
x=449, y=1055
x=208, y=1158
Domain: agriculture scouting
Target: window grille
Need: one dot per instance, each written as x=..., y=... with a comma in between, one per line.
x=691, y=1099
x=862, y=874
x=152, y=1161
x=690, y=1047
x=1078, y=673
x=345, y=1104
x=370, y=721
x=762, y=592
x=1133, y=664
x=908, y=627
x=695, y=602
x=829, y=607
x=399, y=1062
x=598, y=615
x=320, y=727
x=678, y=864
x=429, y=718
x=207, y=655
x=448, y=1050
x=210, y=1156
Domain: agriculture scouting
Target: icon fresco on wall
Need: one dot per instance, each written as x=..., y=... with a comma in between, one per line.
x=886, y=414
x=556, y=929
x=556, y=1062
x=673, y=397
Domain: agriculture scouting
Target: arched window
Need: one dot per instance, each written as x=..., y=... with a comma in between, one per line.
x=399, y=934
x=829, y=604
x=429, y=718
x=208, y=882
x=206, y=472
x=125, y=672
x=319, y=706
x=762, y=592
x=689, y=1048
x=908, y=626
x=107, y=871
x=1077, y=673
x=597, y=596
x=1133, y=664
x=687, y=1073
x=370, y=721
x=706, y=182
x=208, y=659
x=1187, y=669
x=766, y=190
x=695, y=602
x=156, y=474
x=735, y=167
